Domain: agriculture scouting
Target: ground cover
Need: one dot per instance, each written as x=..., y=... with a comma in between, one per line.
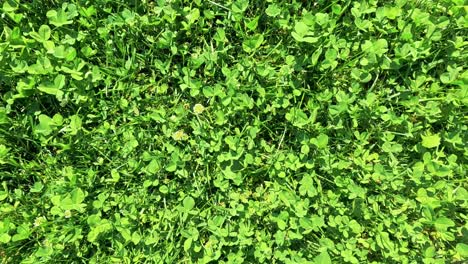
x=233, y=131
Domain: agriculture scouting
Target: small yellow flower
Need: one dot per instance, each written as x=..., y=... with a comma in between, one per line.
x=179, y=135
x=198, y=109
x=39, y=220
x=67, y=214
x=47, y=243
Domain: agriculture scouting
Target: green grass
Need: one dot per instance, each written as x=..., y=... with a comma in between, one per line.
x=233, y=131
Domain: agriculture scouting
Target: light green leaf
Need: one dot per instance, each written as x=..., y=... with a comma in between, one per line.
x=77, y=196
x=5, y=238
x=92, y=235
x=59, y=52
x=10, y=6
x=378, y=47
x=273, y=10
x=431, y=141
x=239, y=6
x=392, y=12
x=115, y=175
x=392, y=147
x=253, y=43
x=316, y=56
x=136, y=238
x=297, y=117
x=126, y=234
x=58, y=18
x=4, y=151
x=53, y=88
x=188, y=203
x=171, y=167
x=48, y=89
x=310, y=39
x=323, y=258
x=187, y=244
x=42, y=35
x=301, y=29
x=462, y=249
x=153, y=166
x=44, y=126
x=193, y=16
x=23, y=233
x=49, y=46
x=442, y=223
x=321, y=18
x=44, y=32
x=37, y=187
x=103, y=227
x=307, y=186
x=75, y=124
x=321, y=141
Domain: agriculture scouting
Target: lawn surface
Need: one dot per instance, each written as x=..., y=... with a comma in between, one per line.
x=230, y=131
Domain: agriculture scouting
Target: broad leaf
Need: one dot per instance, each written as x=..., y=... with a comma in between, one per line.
x=431, y=141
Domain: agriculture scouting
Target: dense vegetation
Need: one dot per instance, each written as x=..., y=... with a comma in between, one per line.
x=230, y=131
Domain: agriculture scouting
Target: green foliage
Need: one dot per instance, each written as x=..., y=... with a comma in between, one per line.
x=233, y=131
